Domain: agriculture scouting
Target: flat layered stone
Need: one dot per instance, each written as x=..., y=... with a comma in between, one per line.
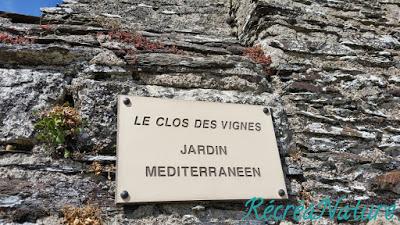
x=35, y=55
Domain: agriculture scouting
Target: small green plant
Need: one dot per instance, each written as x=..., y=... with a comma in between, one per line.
x=58, y=128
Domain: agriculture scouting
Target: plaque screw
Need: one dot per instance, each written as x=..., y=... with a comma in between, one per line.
x=281, y=192
x=127, y=101
x=266, y=111
x=124, y=194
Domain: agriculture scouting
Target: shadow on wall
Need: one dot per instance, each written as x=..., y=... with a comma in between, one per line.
x=27, y=7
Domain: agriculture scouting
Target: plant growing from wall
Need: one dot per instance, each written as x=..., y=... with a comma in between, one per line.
x=15, y=40
x=140, y=42
x=59, y=127
x=257, y=55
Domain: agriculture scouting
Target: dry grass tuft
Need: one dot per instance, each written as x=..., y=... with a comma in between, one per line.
x=96, y=168
x=88, y=215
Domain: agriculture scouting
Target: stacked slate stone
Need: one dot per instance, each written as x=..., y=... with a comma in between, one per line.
x=334, y=86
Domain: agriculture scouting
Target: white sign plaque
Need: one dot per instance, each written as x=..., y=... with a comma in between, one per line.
x=174, y=150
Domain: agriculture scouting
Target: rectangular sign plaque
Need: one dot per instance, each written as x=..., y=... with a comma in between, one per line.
x=173, y=150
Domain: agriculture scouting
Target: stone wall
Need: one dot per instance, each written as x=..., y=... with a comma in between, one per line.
x=335, y=90
x=337, y=72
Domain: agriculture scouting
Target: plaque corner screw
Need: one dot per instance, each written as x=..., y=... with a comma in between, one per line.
x=124, y=194
x=266, y=110
x=127, y=101
x=281, y=192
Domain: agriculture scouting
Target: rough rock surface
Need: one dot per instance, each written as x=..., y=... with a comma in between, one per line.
x=22, y=92
x=335, y=91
